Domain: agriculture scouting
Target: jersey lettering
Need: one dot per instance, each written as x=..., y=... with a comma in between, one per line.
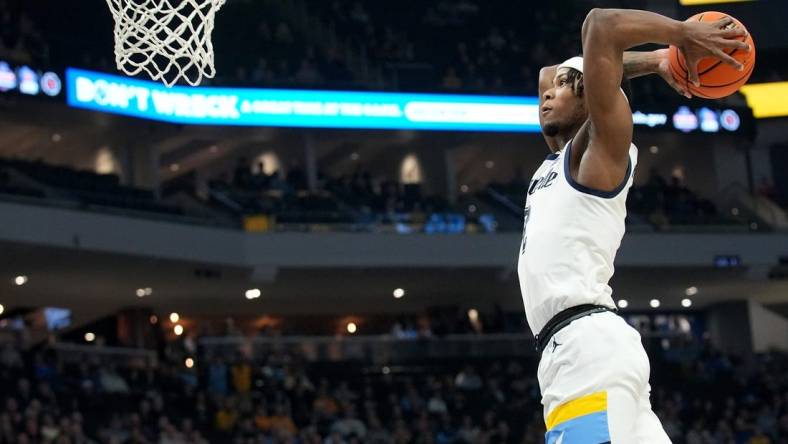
x=543, y=182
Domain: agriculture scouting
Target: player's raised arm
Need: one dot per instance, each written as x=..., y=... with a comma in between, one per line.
x=606, y=34
x=636, y=64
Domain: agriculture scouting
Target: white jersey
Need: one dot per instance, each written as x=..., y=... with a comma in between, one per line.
x=570, y=239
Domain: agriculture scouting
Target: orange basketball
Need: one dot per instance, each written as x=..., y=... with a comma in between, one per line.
x=717, y=79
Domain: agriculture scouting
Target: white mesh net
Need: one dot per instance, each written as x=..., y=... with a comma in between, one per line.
x=168, y=39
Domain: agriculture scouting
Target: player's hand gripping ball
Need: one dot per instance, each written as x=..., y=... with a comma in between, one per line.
x=722, y=52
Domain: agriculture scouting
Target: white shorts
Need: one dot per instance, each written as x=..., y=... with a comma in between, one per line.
x=593, y=375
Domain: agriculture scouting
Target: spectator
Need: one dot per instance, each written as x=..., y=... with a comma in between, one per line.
x=242, y=377
x=349, y=425
x=451, y=80
x=226, y=417
x=217, y=377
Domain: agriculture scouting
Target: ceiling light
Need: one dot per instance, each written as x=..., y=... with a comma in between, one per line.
x=253, y=293
x=473, y=314
x=153, y=319
x=2, y=309
x=351, y=327
x=20, y=280
x=90, y=337
x=178, y=330
x=686, y=302
x=174, y=317
x=691, y=291
x=654, y=303
x=623, y=303
x=140, y=292
x=189, y=363
x=398, y=293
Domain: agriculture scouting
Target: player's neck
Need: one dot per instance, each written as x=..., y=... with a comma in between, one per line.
x=564, y=137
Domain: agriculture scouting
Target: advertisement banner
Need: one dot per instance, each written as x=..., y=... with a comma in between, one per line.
x=299, y=108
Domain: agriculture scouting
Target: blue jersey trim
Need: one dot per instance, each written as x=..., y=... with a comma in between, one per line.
x=587, y=190
x=552, y=156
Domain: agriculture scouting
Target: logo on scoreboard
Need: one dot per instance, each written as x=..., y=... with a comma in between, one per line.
x=7, y=77
x=51, y=84
x=730, y=120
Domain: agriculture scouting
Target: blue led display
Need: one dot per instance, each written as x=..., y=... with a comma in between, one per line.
x=299, y=108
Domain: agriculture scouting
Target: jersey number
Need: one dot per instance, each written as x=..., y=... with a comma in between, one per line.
x=525, y=225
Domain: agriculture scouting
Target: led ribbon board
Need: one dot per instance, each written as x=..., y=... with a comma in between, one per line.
x=352, y=110
x=299, y=108
x=709, y=2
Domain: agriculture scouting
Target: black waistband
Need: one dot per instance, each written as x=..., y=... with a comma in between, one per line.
x=563, y=319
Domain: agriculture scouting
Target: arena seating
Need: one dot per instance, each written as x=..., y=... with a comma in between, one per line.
x=704, y=396
x=87, y=188
x=356, y=202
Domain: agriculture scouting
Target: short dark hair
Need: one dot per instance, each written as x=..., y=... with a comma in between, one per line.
x=575, y=78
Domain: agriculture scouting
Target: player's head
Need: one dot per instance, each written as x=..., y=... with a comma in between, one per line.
x=564, y=108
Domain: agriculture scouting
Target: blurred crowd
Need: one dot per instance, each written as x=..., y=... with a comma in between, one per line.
x=357, y=199
x=21, y=39
x=493, y=46
x=280, y=398
x=659, y=202
x=664, y=203
x=360, y=196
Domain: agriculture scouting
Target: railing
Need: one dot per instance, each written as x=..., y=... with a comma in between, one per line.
x=375, y=349
x=114, y=211
x=120, y=356
x=737, y=196
x=387, y=349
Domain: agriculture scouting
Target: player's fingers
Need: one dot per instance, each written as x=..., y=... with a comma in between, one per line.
x=723, y=22
x=736, y=44
x=728, y=59
x=733, y=33
x=692, y=71
x=681, y=89
x=677, y=86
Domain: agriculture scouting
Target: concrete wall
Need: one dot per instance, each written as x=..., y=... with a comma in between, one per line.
x=59, y=227
x=769, y=330
x=728, y=326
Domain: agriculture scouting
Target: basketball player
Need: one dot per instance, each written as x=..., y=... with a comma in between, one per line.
x=593, y=371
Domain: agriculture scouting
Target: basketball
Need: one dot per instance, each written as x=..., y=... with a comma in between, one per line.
x=717, y=79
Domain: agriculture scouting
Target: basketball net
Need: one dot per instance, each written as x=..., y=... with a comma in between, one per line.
x=168, y=39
